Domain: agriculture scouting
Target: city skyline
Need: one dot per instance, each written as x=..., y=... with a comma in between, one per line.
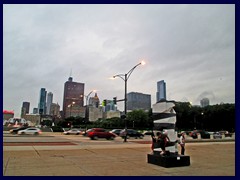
x=191, y=47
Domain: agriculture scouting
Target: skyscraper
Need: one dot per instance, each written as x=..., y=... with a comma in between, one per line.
x=25, y=108
x=94, y=101
x=49, y=101
x=137, y=100
x=161, y=90
x=54, y=109
x=42, y=101
x=73, y=94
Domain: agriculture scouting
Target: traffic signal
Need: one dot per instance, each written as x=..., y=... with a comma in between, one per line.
x=115, y=100
x=104, y=102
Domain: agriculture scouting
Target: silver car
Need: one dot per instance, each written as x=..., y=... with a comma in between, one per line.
x=31, y=131
x=72, y=131
x=217, y=135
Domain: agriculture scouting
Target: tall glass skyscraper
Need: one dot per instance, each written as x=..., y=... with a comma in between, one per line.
x=25, y=108
x=49, y=101
x=161, y=90
x=137, y=100
x=42, y=101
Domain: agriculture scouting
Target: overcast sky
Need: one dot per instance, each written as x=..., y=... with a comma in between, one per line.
x=190, y=47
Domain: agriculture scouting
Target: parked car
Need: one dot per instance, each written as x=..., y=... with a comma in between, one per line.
x=217, y=135
x=204, y=134
x=72, y=131
x=116, y=131
x=131, y=133
x=15, y=130
x=31, y=131
x=226, y=133
x=148, y=133
x=96, y=133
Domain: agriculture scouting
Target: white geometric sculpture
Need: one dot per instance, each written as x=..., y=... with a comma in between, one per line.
x=164, y=119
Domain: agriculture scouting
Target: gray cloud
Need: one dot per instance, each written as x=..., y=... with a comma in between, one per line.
x=191, y=47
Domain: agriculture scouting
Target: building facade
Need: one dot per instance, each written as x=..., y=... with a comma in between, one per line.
x=161, y=91
x=137, y=100
x=54, y=110
x=42, y=101
x=94, y=101
x=7, y=114
x=25, y=108
x=35, y=110
x=73, y=94
x=49, y=101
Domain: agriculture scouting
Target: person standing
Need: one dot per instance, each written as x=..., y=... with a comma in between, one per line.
x=182, y=143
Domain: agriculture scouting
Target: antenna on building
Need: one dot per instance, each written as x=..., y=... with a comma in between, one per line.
x=70, y=73
x=70, y=77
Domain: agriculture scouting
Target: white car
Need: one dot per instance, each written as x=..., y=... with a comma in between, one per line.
x=72, y=131
x=31, y=131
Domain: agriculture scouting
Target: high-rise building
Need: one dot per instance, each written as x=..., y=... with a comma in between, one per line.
x=137, y=100
x=35, y=110
x=49, y=101
x=94, y=101
x=42, y=101
x=161, y=90
x=54, y=109
x=204, y=102
x=25, y=108
x=73, y=94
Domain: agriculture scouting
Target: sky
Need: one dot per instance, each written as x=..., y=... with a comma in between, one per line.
x=189, y=46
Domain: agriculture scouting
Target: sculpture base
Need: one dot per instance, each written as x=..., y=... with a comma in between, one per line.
x=169, y=160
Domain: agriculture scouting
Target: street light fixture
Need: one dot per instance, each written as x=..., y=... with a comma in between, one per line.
x=86, y=111
x=125, y=78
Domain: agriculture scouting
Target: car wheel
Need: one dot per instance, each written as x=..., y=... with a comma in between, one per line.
x=95, y=137
x=128, y=137
x=36, y=133
x=141, y=137
x=23, y=133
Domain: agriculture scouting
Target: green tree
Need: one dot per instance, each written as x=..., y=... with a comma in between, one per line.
x=138, y=118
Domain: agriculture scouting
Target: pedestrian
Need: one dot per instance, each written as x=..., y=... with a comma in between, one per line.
x=123, y=134
x=182, y=143
x=155, y=140
x=163, y=140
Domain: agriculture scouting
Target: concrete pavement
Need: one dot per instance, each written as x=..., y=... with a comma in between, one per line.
x=122, y=159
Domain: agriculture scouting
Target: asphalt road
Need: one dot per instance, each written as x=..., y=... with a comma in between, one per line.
x=85, y=157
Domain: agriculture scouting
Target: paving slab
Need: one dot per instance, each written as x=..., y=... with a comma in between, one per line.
x=129, y=159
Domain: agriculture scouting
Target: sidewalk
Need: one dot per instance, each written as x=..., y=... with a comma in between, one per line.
x=126, y=159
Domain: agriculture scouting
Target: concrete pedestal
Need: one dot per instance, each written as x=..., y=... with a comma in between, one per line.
x=170, y=160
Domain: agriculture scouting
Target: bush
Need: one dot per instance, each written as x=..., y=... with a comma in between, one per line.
x=57, y=129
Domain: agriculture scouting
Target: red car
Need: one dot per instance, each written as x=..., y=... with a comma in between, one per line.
x=96, y=133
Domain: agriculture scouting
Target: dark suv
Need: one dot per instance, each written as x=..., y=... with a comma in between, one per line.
x=131, y=133
x=204, y=134
x=96, y=133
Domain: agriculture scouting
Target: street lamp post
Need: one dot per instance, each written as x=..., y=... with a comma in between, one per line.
x=86, y=111
x=125, y=78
